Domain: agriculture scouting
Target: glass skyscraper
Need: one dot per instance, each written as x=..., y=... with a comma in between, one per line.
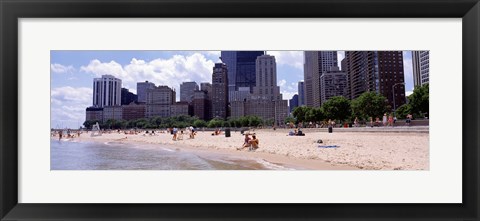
x=241, y=68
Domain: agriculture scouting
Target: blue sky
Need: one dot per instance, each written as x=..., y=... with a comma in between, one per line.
x=72, y=74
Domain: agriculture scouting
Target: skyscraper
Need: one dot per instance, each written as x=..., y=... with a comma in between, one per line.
x=293, y=103
x=142, y=88
x=220, y=91
x=106, y=91
x=301, y=93
x=266, y=101
x=376, y=71
x=230, y=59
x=421, y=67
x=241, y=68
x=317, y=62
x=187, y=90
x=333, y=83
x=308, y=67
x=326, y=60
x=266, y=78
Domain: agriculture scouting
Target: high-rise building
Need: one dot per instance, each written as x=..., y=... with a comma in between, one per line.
x=333, y=83
x=106, y=91
x=376, y=71
x=309, y=58
x=240, y=95
x=266, y=101
x=324, y=61
x=128, y=97
x=230, y=59
x=301, y=93
x=159, y=101
x=293, y=103
x=202, y=105
x=220, y=91
x=186, y=91
x=142, y=88
x=242, y=65
x=266, y=78
x=421, y=67
x=207, y=87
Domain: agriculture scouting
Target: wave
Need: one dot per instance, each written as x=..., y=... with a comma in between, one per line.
x=272, y=166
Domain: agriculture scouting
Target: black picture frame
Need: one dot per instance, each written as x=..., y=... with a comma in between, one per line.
x=12, y=10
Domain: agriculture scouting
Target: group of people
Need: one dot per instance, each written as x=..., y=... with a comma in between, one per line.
x=179, y=136
x=67, y=135
x=296, y=133
x=387, y=120
x=250, y=143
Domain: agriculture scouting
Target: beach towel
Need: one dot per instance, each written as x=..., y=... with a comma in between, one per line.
x=328, y=146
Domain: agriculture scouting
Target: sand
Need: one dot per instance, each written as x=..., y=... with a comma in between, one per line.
x=404, y=149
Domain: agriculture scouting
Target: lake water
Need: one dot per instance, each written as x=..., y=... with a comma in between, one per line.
x=71, y=155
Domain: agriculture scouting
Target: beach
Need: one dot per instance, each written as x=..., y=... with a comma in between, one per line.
x=344, y=149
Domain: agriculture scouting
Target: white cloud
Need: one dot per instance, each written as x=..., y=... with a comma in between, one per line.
x=288, y=90
x=68, y=106
x=61, y=69
x=291, y=58
x=171, y=72
x=282, y=83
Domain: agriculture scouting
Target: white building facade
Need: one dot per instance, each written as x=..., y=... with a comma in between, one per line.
x=107, y=91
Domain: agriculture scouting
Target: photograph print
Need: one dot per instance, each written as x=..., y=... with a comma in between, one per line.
x=239, y=110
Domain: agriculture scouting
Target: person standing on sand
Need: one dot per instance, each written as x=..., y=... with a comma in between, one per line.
x=384, y=120
x=371, y=122
x=355, y=122
x=174, y=133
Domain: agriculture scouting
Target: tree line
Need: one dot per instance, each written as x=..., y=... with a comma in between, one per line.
x=369, y=104
x=179, y=122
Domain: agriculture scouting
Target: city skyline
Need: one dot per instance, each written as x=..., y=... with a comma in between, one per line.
x=72, y=73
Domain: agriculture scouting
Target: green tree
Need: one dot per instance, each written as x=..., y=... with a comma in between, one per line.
x=199, y=123
x=369, y=104
x=337, y=107
x=215, y=123
x=289, y=119
x=403, y=111
x=419, y=99
x=299, y=113
x=89, y=123
x=254, y=121
x=244, y=121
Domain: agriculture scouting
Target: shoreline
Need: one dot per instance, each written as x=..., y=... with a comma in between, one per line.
x=377, y=150
x=284, y=161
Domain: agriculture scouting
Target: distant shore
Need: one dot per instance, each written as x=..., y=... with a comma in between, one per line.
x=344, y=149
